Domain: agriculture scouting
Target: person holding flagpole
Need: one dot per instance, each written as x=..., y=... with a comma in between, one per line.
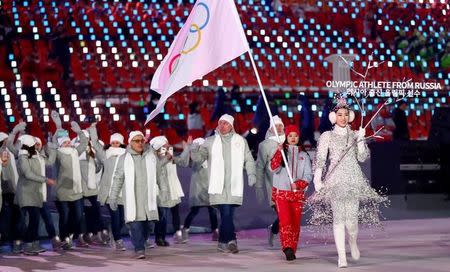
x=228, y=155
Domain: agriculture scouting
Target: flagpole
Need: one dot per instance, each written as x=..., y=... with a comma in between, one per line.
x=270, y=113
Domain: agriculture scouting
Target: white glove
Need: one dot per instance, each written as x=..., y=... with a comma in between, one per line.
x=361, y=133
x=318, y=184
x=20, y=127
x=251, y=180
x=75, y=127
x=56, y=119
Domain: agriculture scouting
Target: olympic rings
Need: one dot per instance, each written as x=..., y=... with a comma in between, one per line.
x=207, y=17
x=194, y=28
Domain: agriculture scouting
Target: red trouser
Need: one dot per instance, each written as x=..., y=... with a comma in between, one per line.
x=289, y=207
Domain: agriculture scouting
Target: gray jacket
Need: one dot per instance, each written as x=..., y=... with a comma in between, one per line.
x=8, y=176
x=204, y=152
x=29, y=186
x=140, y=185
x=84, y=166
x=107, y=175
x=198, y=188
x=163, y=182
x=64, y=186
x=264, y=177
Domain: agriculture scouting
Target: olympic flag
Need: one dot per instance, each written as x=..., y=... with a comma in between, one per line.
x=212, y=36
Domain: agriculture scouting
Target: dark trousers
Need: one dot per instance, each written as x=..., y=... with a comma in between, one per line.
x=32, y=229
x=94, y=220
x=276, y=226
x=48, y=220
x=11, y=219
x=117, y=221
x=139, y=232
x=70, y=215
x=176, y=221
x=161, y=224
x=226, y=230
x=193, y=213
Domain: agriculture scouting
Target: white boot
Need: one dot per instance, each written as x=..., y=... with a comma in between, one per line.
x=352, y=237
x=339, y=240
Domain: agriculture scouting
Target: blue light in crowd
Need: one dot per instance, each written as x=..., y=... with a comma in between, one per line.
x=416, y=100
x=443, y=100
x=290, y=114
x=110, y=43
x=124, y=44
x=424, y=94
x=12, y=119
x=254, y=108
x=316, y=95
x=430, y=99
x=93, y=37
x=418, y=112
x=88, y=56
x=314, y=107
x=181, y=116
x=370, y=107
x=80, y=37
x=166, y=116
x=425, y=106
x=411, y=106
x=284, y=108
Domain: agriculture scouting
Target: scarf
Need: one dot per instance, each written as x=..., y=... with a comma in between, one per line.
x=114, y=151
x=152, y=188
x=217, y=170
x=92, y=177
x=14, y=168
x=174, y=183
x=76, y=172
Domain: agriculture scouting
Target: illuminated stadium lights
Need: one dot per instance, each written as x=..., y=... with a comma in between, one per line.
x=19, y=29
x=82, y=117
x=46, y=119
x=57, y=97
x=151, y=64
x=132, y=56
x=119, y=64
x=7, y=98
x=132, y=117
x=102, y=57
x=116, y=117
x=39, y=98
x=13, y=63
x=129, y=50
x=58, y=104
x=66, y=118
x=116, y=57
x=93, y=103
x=76, y=104
x=159, y=57
x=112, y=110
x=205, y=83
x=27, y=112
x=85, y=50
x=9, y=111
x=61, y=111
x=99, y=50
x=78, y=111
x=7, y=105
x=104, y=63
x=42, y=106
x=49, y=84
x=114, y=50
x=23, y=97
x=2, y=84
x=134, y=64
x=146, y=57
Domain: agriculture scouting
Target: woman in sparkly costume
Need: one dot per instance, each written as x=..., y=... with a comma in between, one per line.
x=343, y=195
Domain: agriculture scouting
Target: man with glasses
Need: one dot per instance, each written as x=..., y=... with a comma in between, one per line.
x=135, y=176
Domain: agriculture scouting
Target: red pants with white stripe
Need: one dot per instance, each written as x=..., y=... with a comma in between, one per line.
x=289, y=205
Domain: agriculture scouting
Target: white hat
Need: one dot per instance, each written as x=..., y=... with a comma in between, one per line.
x=134, y=134
x=3, y=136
x=158, y=142
x=27, y=140
x=199, y=141
x=228, y=118
x=62, y=140
x=116, y=137
x=277, y=120
x=38, y=140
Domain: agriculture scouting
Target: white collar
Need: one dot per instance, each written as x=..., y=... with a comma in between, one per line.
x=340, y=130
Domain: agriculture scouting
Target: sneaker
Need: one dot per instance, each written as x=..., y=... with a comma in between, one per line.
x=215, y=235
x=162, y=243
x=17, y=247
x=232, y=247
x=290, y=255
x=120, y=245
x=67, y=244
x=37, y=247
x=57, y=243
x=223, y=247
x=140, y=255
x=149, y=244
x=98, y=240
x=104, y=235
x=87, y=237
x=81, y=242
x=184, y=235
x=178, y=237
x=270, y=236
x=29, y=250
